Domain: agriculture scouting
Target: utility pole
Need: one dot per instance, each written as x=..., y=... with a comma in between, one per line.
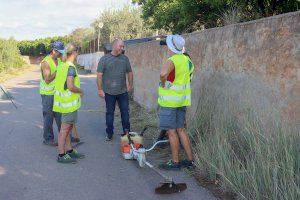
x=100, y=25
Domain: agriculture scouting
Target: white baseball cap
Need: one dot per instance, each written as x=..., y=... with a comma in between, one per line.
x=175, y=43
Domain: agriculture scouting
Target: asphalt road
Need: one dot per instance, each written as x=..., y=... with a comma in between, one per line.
x=29, y=170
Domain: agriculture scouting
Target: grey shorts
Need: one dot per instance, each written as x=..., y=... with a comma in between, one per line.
x=69, y=118
x=171, y=118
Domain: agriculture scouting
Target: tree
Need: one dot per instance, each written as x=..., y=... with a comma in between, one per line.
x=125, y=23
x=77, y=35
x=189, y=15
x=88, y=35
x=40, y=46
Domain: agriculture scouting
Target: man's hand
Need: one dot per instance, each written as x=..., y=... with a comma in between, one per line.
x=129, y=88
x=101, y=93
x=81, y=93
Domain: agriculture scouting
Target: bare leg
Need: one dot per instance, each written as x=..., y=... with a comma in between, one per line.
x=68, y=145
x=185, y=141
x=174, y=143
x=63, y=138
x=64, y=130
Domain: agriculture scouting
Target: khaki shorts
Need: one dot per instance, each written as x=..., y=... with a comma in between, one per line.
x=69, y=118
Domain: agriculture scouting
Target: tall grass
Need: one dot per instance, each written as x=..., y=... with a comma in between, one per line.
x=9, y=55
x=253, y=151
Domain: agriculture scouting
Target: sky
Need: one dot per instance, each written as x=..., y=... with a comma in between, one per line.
x=33, y=19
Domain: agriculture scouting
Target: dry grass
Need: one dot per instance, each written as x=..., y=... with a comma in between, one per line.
x=248, y=151
x=14, y=72
x=140, y=118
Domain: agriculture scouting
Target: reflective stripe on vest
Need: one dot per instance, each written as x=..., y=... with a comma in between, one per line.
x=63, y=94
x=175, y=98
x=179, y=93
x=49, y=88
x=67, y=105
x=180, y=87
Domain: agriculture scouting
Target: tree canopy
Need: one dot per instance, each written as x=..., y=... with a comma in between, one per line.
x=125, y=23
x=40, y=46
x=190, y=15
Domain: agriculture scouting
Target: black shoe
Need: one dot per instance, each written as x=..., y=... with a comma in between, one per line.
x=170, y=165
x=50, y=143
x=108, y=138
x=190, y=164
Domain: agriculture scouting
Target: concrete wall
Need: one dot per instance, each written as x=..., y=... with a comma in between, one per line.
x=90, y=61
x=255, y=64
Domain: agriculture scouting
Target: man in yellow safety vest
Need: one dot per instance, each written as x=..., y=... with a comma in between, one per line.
x=67, y=100
x=174, y=95
x=48, y=73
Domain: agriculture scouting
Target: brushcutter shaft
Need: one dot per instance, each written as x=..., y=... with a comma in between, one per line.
x=167, y=178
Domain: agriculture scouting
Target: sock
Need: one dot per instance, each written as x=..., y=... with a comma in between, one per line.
x=61, y=155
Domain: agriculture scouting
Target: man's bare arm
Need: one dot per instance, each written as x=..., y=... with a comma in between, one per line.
x=46, y=71
x=72, y=87
x=165, y=71
x=130, y=81
x=99, y=84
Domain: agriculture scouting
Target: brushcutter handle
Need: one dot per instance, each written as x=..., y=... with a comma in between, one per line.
x=129, y=138
x=143, y=131
x=156, y=143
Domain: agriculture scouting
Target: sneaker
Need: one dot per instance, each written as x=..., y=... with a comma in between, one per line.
x=50, y=143
x=108, y=138
x=187, y=163
x=66, y=159
x=75, y=140
x=75, y=155
x=170, y=165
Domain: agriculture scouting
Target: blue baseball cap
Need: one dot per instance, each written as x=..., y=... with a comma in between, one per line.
x=58, y=46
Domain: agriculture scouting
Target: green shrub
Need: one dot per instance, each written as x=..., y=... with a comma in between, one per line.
x=9, y=55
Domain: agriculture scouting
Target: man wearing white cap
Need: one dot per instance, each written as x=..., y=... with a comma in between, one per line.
x=173, y=98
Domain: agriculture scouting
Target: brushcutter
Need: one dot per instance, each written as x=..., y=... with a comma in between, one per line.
x=132, y=149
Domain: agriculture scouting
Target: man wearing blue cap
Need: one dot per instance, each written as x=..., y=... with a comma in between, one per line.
x=47, y=80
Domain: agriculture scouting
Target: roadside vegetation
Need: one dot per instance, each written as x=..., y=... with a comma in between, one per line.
x=236, y=155
x=40, y=46
x=10, y=59
x=249, y=152
x=185, y=16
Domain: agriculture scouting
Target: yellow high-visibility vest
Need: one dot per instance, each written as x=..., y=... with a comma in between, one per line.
x=65, y=101
x=179, y=93
x=48, y=88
